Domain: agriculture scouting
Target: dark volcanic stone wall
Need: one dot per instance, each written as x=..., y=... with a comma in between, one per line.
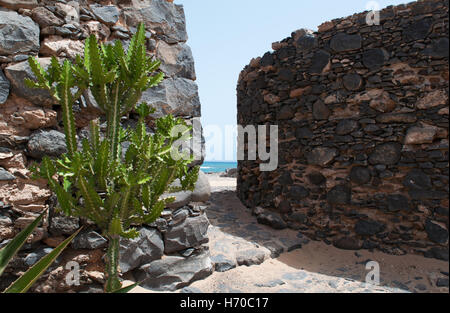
x=363, y=131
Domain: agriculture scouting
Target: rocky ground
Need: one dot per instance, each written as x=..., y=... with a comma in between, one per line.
x=249, y=257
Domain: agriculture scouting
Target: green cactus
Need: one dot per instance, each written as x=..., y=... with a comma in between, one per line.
x=117, y=192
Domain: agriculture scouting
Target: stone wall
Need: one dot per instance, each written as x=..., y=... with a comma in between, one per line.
x=31, y=127
x=362, y=112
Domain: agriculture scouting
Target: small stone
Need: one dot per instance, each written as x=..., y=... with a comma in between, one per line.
x=387, y=154
x=320, y=111
x=347, y=126
x=383, y=103
x=298, y=193
x=442, y=282
x=360, y=175
x=321, y=156
x=19, y=4
x=271, y=284
x=345, y=42
x=33, y=257
x=341, y=194
x=397, y=203
x=271, y=219
x=319, y=62
x=4, y=87
x=432, y=99
x=5, y=175
x=348, y=243
x=388, y=118
x=63, y=225
x=435, y=232
x=89, y=240
x=222, y=263
x=368, y=227
x=46, y=143
x=250, y=257
x=316, y=178
x=375, y=58
x=420, y=135
x=417, y=179
x=352, y=82
x=304, y=133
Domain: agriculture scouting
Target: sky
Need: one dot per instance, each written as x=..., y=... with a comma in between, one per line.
x=225, y=35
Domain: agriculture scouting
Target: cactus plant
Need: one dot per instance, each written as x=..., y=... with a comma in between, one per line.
x=95, y=179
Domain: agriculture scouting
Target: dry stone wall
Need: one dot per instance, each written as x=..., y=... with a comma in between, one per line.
x=362, y=112
x=31, y=127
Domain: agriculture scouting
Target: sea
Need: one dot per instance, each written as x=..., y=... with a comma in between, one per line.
x=217, y=167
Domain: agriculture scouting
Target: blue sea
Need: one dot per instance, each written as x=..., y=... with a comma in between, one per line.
x=216, y=167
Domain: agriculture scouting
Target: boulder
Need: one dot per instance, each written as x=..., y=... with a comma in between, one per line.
x=192, y=232
x=4, y=87
x=17, y=73
x=46, y=143
x=177, y=96
x=107, y=14
x=176, y=60
x=18, y=34
x=45, y=17
x=163, y=17
x=174, y=272
x=149, y=246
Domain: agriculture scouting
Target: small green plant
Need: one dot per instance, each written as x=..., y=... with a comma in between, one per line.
x=24, y=282
x=95, y=179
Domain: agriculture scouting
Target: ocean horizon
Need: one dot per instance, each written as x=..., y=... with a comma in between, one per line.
x=217, y=167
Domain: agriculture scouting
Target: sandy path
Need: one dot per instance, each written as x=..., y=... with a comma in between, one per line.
x=315, y=267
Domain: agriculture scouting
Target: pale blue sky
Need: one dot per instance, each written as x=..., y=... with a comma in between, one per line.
x=225, y=35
